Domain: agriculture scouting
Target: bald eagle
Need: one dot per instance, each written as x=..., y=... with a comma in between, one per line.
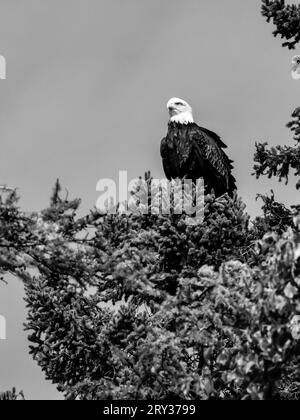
x=192, y=152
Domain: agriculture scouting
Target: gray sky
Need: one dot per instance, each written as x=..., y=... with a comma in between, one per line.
x=85, y=96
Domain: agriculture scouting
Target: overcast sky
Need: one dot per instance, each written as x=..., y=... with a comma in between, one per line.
x=85, y=96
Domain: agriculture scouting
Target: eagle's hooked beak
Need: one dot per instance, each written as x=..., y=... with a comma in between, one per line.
x=171, y=109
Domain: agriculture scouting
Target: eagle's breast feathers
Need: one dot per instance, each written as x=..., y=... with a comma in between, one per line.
x=194, y=152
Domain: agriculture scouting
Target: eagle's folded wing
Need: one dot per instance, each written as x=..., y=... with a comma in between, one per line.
x=210, y=147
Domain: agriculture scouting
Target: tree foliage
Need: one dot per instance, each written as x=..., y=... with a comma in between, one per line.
x=286, y=18
x=11, y=395
x=145, y=306
x=281, y=160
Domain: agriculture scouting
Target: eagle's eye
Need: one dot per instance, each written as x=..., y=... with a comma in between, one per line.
x=178, y=103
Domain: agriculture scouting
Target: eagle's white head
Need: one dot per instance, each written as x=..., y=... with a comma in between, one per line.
x=180, y=111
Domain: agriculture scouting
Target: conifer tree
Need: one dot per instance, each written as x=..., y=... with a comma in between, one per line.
x=286, y=18
x=281, y=161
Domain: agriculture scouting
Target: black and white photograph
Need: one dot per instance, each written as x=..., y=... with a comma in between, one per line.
x=149, y=203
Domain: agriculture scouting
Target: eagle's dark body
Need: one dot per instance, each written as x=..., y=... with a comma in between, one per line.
x=192, y=152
